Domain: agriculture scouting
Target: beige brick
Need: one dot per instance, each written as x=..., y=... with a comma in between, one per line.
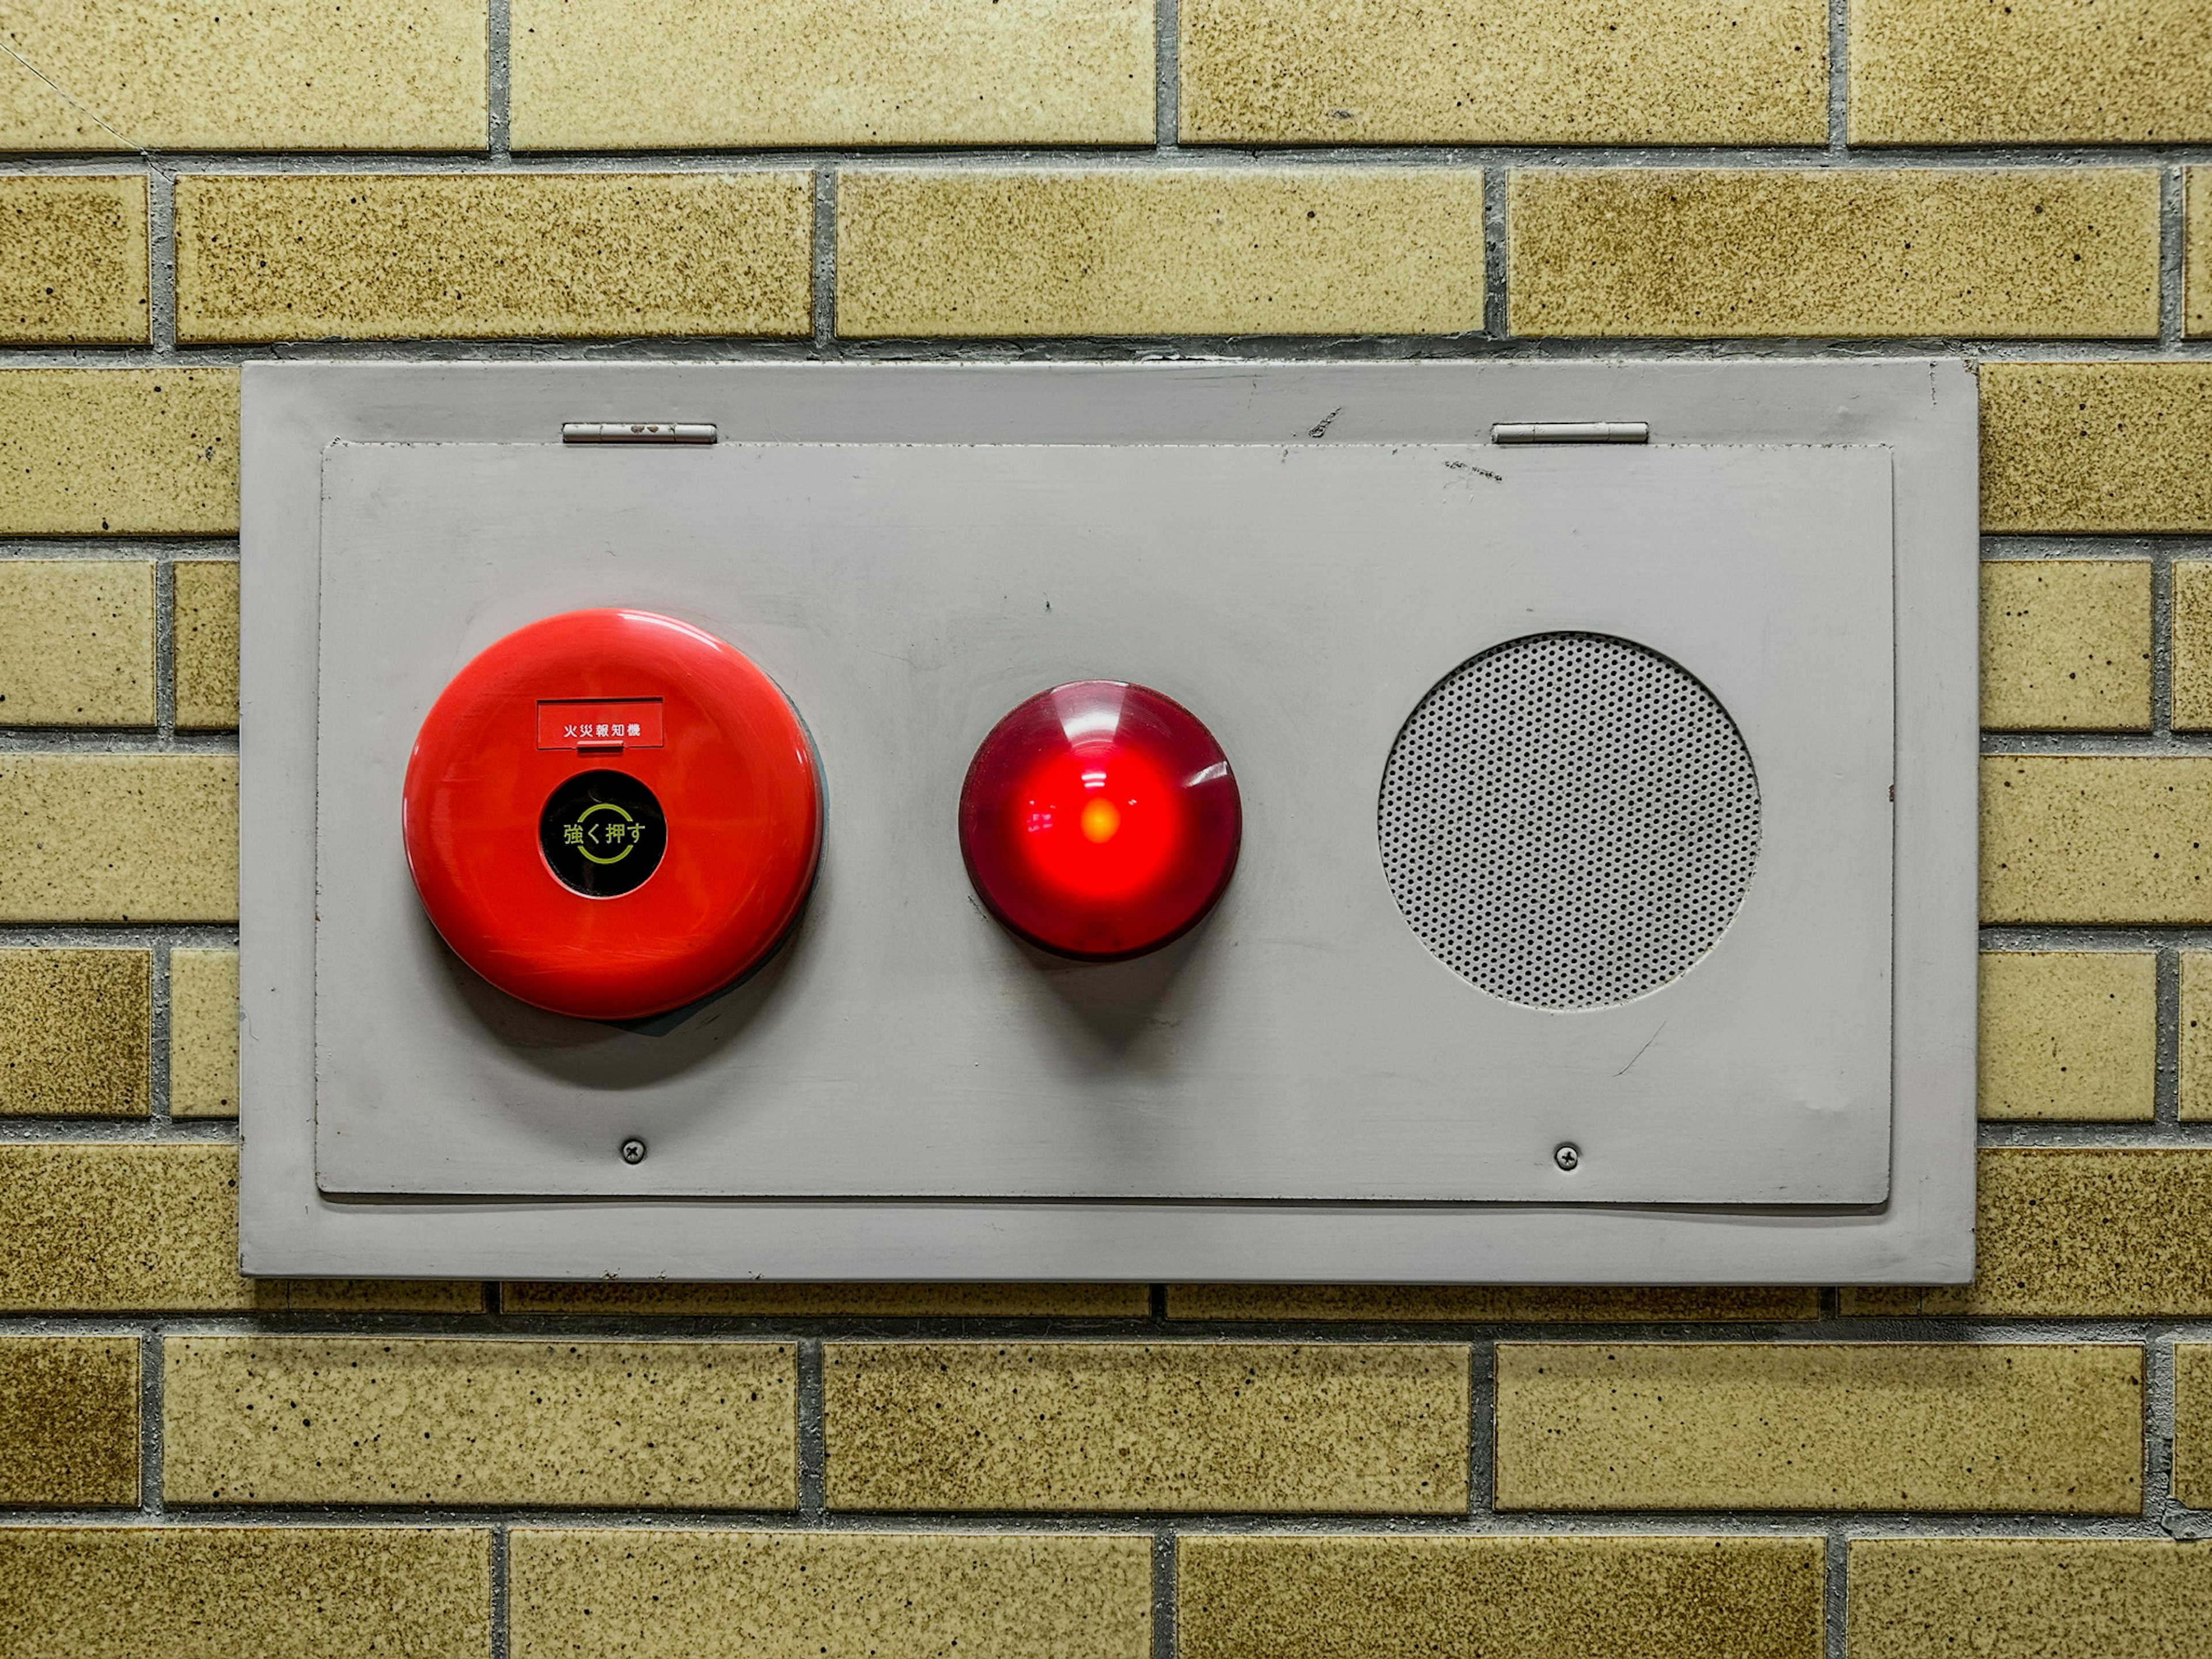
x=2196, y=1057
x=2096, y=448
x=1937, y=1598
x=759, y=1300
x=2066, y=645
x=1990, y=253
x=69, y=1423
x=2096, y=838
x=386, y=256
x=2067, y=1233
x=107, y=1228
x=73, y=260
x=246, y=1592
x=1462, y=72
x=76, y=1033
x=274, y=74
x=2192, y=645
x=1720, y=1425
x=1490, y=1304
x=1532, y=1598
x=609, y=74
x=100, y=451
x=2030, y=72
x=668, y=1595
x=77, y=642
x=1064, y=251
x=269, y=1420
x=1180, y=1425
x=2196, y=303
x=2069, y=1035
x=2192, y=1436
x=203, y=1033
x=119, y=837
x=207, y=644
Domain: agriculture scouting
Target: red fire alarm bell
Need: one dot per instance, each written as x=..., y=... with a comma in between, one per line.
x=1100, y=820
x=610, y=814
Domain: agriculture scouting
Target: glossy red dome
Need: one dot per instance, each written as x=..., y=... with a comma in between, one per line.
x=612, y=813
x=1100, y=820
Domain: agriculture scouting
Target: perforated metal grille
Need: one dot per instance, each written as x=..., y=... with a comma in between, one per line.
x=1569, y=820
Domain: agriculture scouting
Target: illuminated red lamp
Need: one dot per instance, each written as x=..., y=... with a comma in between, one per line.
x=611, y=814
x=1100, y=820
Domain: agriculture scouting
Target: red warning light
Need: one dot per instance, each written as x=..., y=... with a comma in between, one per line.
x=1100, y=820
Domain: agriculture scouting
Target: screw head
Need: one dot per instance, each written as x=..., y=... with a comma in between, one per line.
x=633, y=1151
x=1567, y=1155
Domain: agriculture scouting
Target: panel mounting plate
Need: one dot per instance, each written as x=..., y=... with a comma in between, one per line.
x=1300, y=1090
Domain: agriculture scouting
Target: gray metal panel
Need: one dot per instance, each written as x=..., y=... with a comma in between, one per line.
x=1303, y=1043
x=1925, y=412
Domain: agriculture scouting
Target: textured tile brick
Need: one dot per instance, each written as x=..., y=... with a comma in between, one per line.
x=77, y=642
x=609, y=74
x=2192, y=645
x=76, y=1033
x=2196, y=303
x=99, y=451
x=1072, y=252
x=274, y=74
x=2196, y=1055
x=207, y=644
x=246, y=1592
x=1183, y=1426
x=2096, y=838
x=1936, y=1598
x=385, y=256
x=1532, y=1598
x=2096, y=448
x=105, y=1228
x=867, y=1300
x=72, y=259
x=2066, y=1233
x=2069, y=1035
x=203, y=1033
x=266, y=1419
x=118, y=837
x=1995, y=254
x=2066, y=645
x=2030, y=71
x=2192, y=1438
x=668, y=1595
x=1489, y=1303
x=68, y=1423
x=1403, y=72
x=1716, y=1425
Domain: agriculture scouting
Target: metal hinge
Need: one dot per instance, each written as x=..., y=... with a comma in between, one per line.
x=1572, y=432
x=637, y=432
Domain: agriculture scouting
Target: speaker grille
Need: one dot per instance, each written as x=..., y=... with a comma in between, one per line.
x=1569, y=820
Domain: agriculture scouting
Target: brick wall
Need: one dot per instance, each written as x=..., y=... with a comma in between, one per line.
x=193, y=1464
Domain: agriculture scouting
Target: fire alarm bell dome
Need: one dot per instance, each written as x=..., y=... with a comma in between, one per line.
x=610, y=814
x=1100, y=820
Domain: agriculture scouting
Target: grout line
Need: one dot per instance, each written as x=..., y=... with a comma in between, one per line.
x=1156, y=1304
x=1164, y=1594
x=500, y=1600
x=1481, y=1428
x=2161, y=640
x=157, y=1036
x=160, y=260
x=1496, y=227
x=1839, y=75
x=1167, y=73
x=165, y=649
x=825, y=259
x=813, y=1439
x=1835, y=1599
x=151, y=1399
x=2158, y=1502
x=2172, y=251
x=2165, y=1095
x=499, y=62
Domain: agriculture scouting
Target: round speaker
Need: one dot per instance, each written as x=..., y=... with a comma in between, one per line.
x=1569, y=820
